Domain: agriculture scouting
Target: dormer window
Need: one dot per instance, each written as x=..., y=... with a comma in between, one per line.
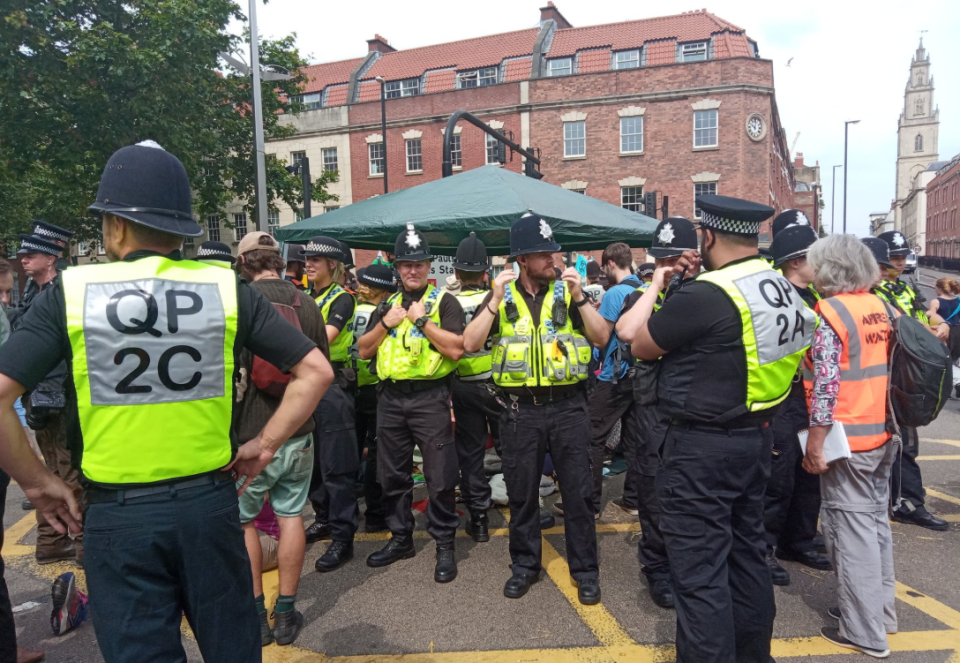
x=477, y=77
x=310, y=101
x=626, y=59
x=693, y=52
x=404, y=88
x=560, y=67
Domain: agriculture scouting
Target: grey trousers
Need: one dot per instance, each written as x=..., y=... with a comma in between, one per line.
x=856, y=529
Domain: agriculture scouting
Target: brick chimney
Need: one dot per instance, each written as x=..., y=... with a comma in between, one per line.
x=798, y=160
x=551, y=11
x=378, y=43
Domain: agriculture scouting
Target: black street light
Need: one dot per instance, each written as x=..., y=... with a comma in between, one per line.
x=833, y=196
x=383, y=128
x=303, y=169
x=846, y=127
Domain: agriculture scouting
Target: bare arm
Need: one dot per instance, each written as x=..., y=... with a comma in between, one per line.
x=595, y=327
x=630, y=322
x=332, y=333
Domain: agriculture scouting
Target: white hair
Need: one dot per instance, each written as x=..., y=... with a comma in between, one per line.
x=842, y=264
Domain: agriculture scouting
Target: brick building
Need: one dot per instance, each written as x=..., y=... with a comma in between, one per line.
x=807, y=192
x=943, y=199
x=677, y=105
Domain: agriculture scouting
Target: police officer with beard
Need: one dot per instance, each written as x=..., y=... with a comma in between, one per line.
x=724, y=372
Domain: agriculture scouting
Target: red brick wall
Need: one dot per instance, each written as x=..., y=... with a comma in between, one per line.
x=806, y=202
x=943, y=224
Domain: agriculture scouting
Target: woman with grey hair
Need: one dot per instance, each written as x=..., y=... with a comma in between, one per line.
x=846, y=377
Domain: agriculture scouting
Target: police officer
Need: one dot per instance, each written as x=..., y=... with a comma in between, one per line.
x=474, y=407
x=151, y=341
x=376, y=283
x=417, y=343
x=792, y=500
x=216, y=253
x=724, y=372
x=57, y=235
x=786, y=219
x=543, y=331
x=333, y=486
x=293, y=256
x=907, y=493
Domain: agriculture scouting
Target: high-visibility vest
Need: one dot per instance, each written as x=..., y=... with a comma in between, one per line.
x=550, y=354
x=860, y=321
x=361, y=322
x=903, y=297
x=406, y=352
x=474, y=365
x=340, y=347
x=152, y=343
x=777, y=328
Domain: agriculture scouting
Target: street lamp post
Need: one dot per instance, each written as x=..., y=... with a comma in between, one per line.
x=846, y=127
x=258, y=152
x=833, y=197
x=383, y=128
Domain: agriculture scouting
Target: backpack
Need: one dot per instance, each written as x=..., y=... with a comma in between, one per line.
x=920, y=372
x=268, y=378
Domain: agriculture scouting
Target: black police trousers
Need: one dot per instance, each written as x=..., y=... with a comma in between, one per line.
x=609, y=403
x=792, y=501
x=711, y=492
x=336, y=461
x=405, y=420
x=905, y=479
x=527, y=432
x=366, y=409
x=8, y=631
x=475, y=409
x=651, y=551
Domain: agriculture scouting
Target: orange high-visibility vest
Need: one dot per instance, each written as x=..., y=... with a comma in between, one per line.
x=860, y=321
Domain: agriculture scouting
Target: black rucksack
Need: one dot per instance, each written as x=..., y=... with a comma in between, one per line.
x=920, y=372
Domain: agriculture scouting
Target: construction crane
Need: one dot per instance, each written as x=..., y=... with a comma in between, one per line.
x=794, y=144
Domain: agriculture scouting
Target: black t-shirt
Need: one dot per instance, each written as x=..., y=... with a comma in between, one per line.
x=535, y=306
x=41, y=342
x=341, y=308
x=705, y=364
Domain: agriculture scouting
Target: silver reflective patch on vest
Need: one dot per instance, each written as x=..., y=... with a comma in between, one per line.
x=154, y=341
x=782, y=323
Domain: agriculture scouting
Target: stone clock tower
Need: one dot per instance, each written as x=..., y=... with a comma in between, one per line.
x=918, y=129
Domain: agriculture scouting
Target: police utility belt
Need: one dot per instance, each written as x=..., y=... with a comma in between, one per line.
x=98, y=495
x=413, y=386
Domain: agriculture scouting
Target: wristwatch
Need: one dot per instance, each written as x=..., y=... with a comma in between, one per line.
x=421, y=322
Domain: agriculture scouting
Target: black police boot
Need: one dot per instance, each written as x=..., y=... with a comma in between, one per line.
x=519, y=584
x=478, y=526
x=446, y=569
x=318, y=530
x=588, y=591
x=819, y=544
x=287, y=626
x=920, y=517
x=399, y=547
x=338, y=554
x=547, y=520
x=661, y=591
x=266, y=635
x=779, y=575
x=811, y=558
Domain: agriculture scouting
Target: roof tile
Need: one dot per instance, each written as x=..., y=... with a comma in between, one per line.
x=597, y=59
x=369, y=91
x=320, y=76
x=337, y=95
x=437, y=81
x=661, y=52
x=517, y=70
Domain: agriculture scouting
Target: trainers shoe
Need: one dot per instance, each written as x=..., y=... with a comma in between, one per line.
x=287, y=626
x=69, y=604
x=632, y=510
x=266, y=634
x=833, y=635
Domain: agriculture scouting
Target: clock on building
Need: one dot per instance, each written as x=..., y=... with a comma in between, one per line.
x=756, y=127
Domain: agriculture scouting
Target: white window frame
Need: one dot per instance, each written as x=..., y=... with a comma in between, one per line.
x=715, y=128
x=491, y=143
x=273, y=220
x=372, y=160
x=575, y=139
x=329, y=164
x=623, y=122
x=239, y=225
x=478, y=77
x=414, y=152
x=188, y=241
x=702, y=189
x=82, y=248
x=556, y=66
x=690, y=52
x=297, y=157
x=456, y=151
x=407, y=87
x=627, y=59
x=632, y=191
x=311, y=100
x=213, y=227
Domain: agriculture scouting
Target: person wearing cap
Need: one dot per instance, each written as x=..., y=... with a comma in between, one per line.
x=333, y=491
x=287, y=477
x=57, y=235
x=723, y=373
x=216, y=253
x=594, y=272
x=417, y=341
x=293, y=257
x=376, y=284
x=671, y=238
x=474, y=407
x=907, y=494
x=542, y=332
x=645, y=272
x=792, y=501
x=151, y=342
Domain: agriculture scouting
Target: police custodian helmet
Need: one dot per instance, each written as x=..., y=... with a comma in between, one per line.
x=896, y=241
x=411, y=246
x=531, y=234
x=146, y=184
x=471, y=255
x=879, y=248
x=672, y=237
x=788, y=218
x=791, y=243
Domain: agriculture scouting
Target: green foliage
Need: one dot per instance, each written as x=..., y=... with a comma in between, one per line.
x=81, y=78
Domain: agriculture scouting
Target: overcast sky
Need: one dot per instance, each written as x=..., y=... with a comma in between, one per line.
x=850, y=61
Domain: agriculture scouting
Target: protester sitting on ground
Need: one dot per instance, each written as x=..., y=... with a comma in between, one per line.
x=287, y=477
x=853, y=331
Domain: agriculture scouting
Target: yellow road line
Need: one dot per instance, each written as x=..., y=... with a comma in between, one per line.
x=952, y=443
x=957, y=457
x=934, y=608
x=16, y=531
x=901, y=642
x=943, y=496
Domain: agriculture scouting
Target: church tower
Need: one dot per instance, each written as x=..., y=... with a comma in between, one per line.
x=918, y=128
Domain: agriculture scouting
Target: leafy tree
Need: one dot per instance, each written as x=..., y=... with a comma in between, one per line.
x=81, y=78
